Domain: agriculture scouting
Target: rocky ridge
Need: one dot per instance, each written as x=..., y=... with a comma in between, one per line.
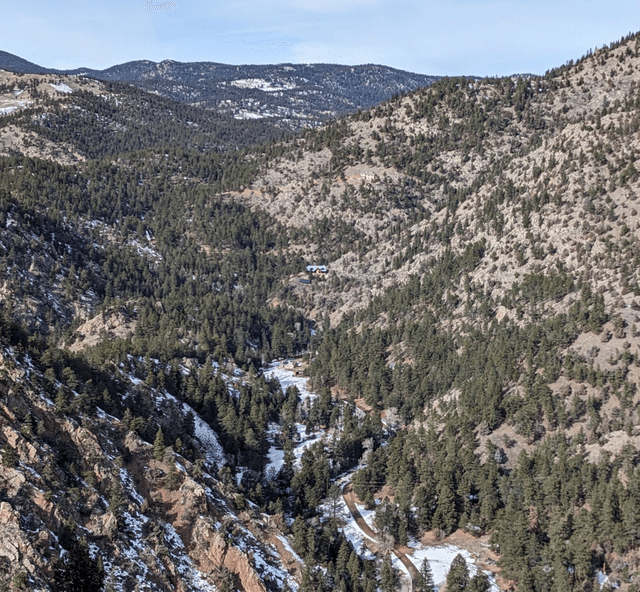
x=163, y=522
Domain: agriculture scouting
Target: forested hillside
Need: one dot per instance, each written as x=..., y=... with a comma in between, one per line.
x=289, y=96
x=472, y=341
x=486, y=300
x=69, y=119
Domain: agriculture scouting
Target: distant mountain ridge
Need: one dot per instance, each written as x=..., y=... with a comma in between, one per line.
x=299, y=95
x=14, y=63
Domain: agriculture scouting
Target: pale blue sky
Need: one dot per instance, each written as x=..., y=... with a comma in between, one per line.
x=481, y=37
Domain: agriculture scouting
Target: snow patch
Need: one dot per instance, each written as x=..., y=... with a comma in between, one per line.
x=289, y=548
x=276, y=460
x=61, y=87
x=244, y=114
x=603, y=579
x=353, y=532
x=213, y=452
x=261, y=84
x=127, y=481
x=368, y=515
x=287, y=378
x=440, y=559
x=306, y=441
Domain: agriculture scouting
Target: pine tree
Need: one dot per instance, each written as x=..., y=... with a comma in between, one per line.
x=458, y=576
x=334, y=495
x=354, y=567
x=479, y=583
x=424, y=582
x=27, y=426
x=61, y=400
x=580, y=543
x=10, y=457
x=344, y=552
x=159, y=445
x=172, y=480
x=631, y=511
x=388, y=576
x=127, y=417
x=299, y=529
x=445, y=514
x=77, y=571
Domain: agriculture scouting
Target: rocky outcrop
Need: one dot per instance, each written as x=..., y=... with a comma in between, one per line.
x=211, y=551
x=18, y=554
x=69, y=478
x=108, y=325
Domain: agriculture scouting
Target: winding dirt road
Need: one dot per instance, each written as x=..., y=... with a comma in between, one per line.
x=350, y=500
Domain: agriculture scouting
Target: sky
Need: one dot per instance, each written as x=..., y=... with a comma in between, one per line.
x=449, y=37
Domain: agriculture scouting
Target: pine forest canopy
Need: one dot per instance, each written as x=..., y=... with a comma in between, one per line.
x=480, y=241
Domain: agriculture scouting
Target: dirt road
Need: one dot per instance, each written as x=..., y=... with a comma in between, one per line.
x=350, y=500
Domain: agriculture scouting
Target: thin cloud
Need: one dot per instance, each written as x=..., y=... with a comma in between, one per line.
x=481, y=37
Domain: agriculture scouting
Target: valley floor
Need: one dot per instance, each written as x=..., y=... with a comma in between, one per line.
x=358, y=523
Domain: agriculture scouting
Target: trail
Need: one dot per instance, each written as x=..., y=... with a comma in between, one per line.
x=350, y=500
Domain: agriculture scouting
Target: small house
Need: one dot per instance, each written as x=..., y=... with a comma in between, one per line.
x=316, y=268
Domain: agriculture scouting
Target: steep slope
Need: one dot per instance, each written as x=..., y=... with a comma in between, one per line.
x=485, y=233
x=87, y=502
x=536, y=168
x=111, y=476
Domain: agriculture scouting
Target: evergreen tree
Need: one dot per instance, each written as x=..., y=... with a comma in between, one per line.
x=444, y=517
x=389, y=579
x=77, y=571
x=424, y=582
x=172, y=479
x=479, y=583
x=10, y=457
x=159, y=445
x=27, y=426
x=458, y=576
